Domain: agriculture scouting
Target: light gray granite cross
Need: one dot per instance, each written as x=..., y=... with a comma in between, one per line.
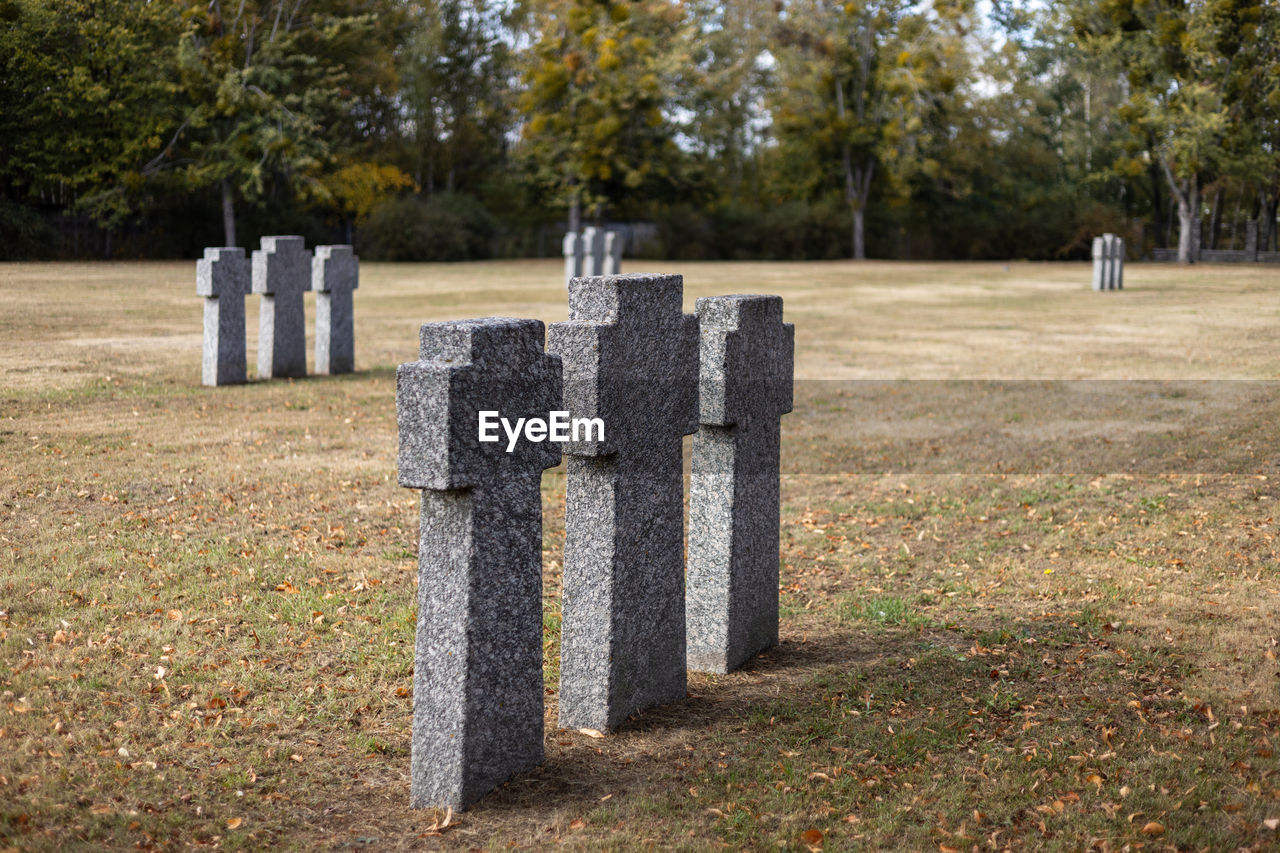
x=281, y=274
x=612, y=253
x=335, y=273
x=1116, y=264
x=746, y=363
x=477, y=682
x=631, y=360
x=222, y=278
x=592, y=252
x=572, y=256
x=1099, y=264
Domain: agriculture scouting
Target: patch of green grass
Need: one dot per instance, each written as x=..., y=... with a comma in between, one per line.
x=885, y=610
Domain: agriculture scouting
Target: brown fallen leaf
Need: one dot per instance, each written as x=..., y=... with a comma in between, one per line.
x=234, y=823
x=174, y=615
x=812, y=837
x=1271, y=823
x=1153, y=828
x=578, y=823
x=591, y=732
x=100, y=808
x=295, y=757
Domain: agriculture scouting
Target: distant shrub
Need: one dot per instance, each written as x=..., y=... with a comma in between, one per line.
x=26, y=233
x=793, y=230
x=444, y=227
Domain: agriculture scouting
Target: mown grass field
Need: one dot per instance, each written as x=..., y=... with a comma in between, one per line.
x=1030, y=582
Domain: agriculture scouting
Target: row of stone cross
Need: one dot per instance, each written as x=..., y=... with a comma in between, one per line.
x=1108, y=262
x=281, y=271
x=595, y=252
x=632, y=622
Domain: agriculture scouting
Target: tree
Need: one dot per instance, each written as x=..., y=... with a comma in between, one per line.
x=1191, y=69
x=597, y=99
x=86, y=96
x=455, y=72
x=273, y=90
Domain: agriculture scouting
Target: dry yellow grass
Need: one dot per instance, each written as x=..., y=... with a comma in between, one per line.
x=1018, y=612
x=69, y=323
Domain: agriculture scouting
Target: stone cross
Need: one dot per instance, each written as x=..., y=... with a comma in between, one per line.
x=612, y=253
x=335, y=272
x=1115, y=262
x=592, y=251
x=222, y=278
x=572, y=256
x=631, y=360
x=1108, y=262
x=281, y=273
x=1099, y=264
x=744, y=387
x=477, y=685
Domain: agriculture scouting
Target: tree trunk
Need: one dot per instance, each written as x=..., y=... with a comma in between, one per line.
x=228, y=214
x=1157, y=205
x=1187, y=193
x=1188, y=200
x=1269, y=208
x=575, y=214
x=1215, y=218
x=859, y=246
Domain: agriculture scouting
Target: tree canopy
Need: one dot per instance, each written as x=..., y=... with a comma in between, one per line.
x=759, y=128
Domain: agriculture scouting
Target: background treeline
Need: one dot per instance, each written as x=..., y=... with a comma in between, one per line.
x=463, y=129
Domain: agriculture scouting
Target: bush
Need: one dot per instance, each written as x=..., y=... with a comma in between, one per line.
x=445, y=227
x=26, y=233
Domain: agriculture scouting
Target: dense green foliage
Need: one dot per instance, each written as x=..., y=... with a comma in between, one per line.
x=456, y=129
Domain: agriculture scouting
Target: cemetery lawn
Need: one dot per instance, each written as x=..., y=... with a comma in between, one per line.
x=1030, y=583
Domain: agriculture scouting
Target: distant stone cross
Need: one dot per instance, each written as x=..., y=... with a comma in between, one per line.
x=745, y=379
x=612, y=253
x=1108, y=262
x=592, y=251
x=477, y=684
x=281, y=273
x=222, y=278
x=630, y=359
x=335, y=273
x=1117, y=263
x=572, y=256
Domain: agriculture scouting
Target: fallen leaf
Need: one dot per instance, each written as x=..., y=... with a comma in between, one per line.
x=295, y=757
x=1271, y=823
x=174, y=615
x=591, y=732
x=402, y=692
x=101, y=808
x=1153, y=828
x=578, y=823
x=812, y=837
x=234, y=823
